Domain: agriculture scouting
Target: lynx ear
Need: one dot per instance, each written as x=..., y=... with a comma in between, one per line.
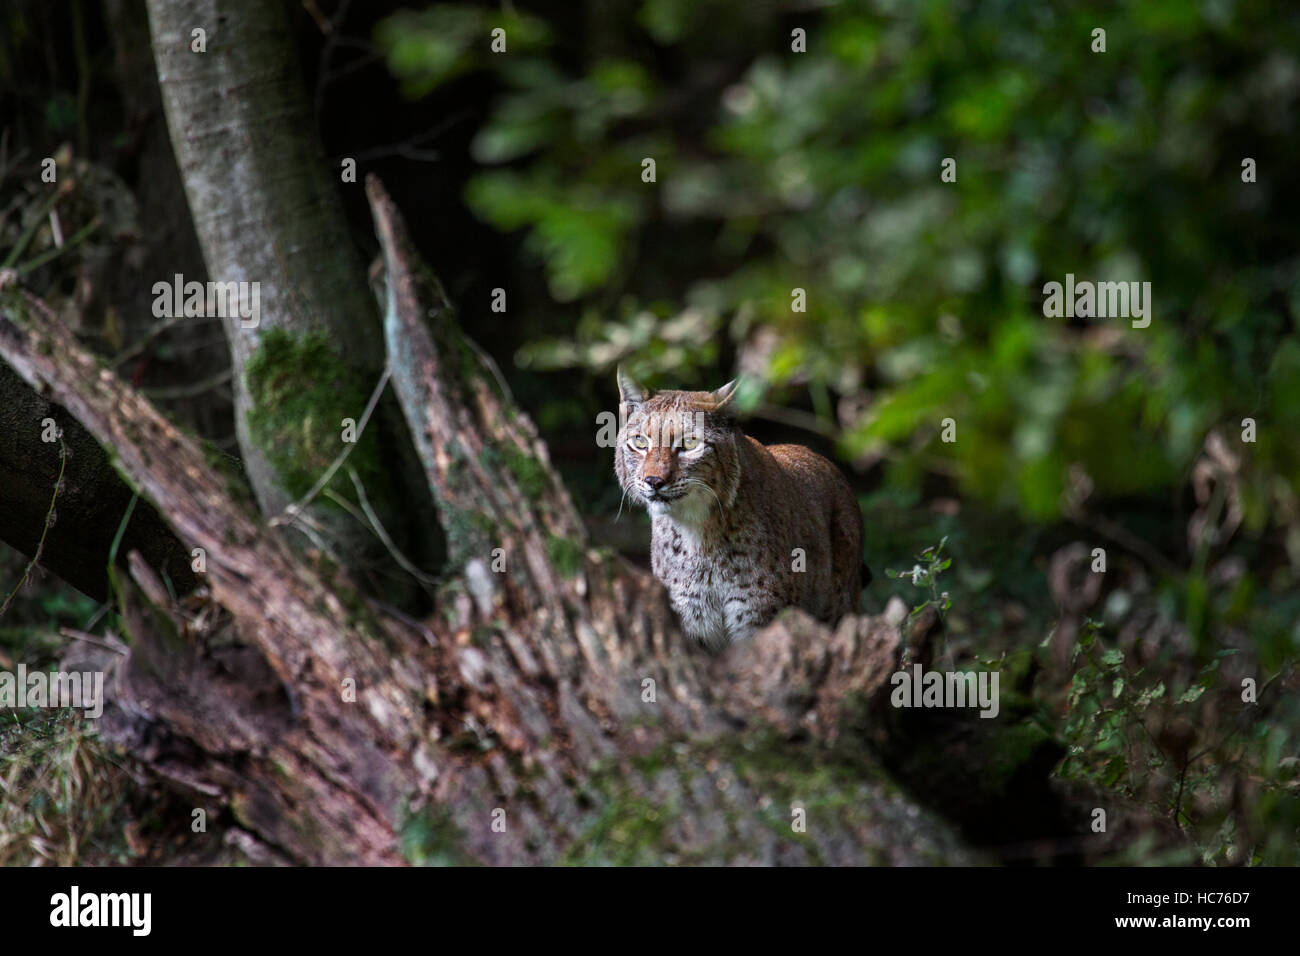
x=629, y=392
x=722, y=398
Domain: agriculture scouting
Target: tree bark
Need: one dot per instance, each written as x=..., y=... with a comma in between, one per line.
x=547, y=712
x=266, y=211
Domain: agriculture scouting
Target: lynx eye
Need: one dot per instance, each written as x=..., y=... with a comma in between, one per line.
x=690, y=444
x=640, y=442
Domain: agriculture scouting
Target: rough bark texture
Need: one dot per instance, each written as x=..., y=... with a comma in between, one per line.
x=548, y=712
x=266, y=210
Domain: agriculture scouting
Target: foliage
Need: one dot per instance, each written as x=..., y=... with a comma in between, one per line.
x=1169, y=748
x=930, y=563
x=820, y=171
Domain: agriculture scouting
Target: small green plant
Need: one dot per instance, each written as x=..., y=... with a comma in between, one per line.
x=930, y=563
x=1101, y=715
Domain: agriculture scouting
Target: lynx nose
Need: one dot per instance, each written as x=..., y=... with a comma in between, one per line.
x=654, y=481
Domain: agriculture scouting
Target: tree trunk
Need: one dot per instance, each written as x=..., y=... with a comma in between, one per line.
x=549, y=711
x=266, y=211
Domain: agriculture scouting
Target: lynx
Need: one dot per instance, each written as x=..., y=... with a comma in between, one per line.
x=739, y=530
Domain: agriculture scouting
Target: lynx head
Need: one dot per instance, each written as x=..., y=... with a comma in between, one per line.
x=677, y=452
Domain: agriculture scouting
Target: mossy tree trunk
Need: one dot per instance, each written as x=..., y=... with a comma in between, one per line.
x=267, y=211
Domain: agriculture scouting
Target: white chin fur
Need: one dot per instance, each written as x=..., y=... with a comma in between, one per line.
x=689, y=510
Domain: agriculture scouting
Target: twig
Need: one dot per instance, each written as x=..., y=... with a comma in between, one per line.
x=158, y=328
x=378, y=527
x=292, y=511
x=360, y=63
x=407, y=148
x=32, y=226
x=49, y=522
x=97, y=616
x=189, y=391
x=315, y=532
x=74, y=635
x=59, y=250
x=328, y=27
x=322, y=22
x=492, y=367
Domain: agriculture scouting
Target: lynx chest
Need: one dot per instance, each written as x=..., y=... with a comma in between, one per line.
x=710, y=587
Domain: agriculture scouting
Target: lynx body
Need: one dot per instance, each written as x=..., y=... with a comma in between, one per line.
x=740, y=530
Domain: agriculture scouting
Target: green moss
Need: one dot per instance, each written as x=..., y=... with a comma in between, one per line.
x=629, y=831
x=565, y=555
x=631, y=828
x=626, y=829
x=301, y=392
x=469, y=533
x=431, y=838
x=528, y=472
x=471, y=367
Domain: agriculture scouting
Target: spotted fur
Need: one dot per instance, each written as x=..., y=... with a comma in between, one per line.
x=728, y=513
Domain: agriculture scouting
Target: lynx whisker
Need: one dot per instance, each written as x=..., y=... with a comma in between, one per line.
x=706, y=486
